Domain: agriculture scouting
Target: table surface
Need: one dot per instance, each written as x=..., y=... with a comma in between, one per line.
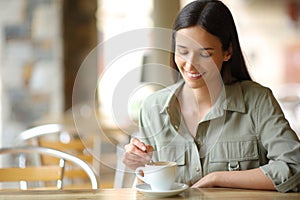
x=130, y=193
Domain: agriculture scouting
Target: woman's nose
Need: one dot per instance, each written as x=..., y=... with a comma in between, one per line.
x=189, y=65
x=191, y=62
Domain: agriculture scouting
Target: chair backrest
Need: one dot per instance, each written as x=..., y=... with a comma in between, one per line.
x=63, y=138
x=43, y=172
x=66, y=138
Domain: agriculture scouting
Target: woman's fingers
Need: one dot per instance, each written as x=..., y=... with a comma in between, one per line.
x=149, y=150
x=140, y=145
x=129, y=158
x=133, y=160
x=137, y=153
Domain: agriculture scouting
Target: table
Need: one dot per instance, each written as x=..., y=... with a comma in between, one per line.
x=131, y=194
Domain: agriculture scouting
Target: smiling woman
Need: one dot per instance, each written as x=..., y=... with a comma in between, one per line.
x=196, y=63
x=219, y=126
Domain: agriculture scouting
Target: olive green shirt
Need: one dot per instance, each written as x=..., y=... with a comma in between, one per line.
x=245, y=129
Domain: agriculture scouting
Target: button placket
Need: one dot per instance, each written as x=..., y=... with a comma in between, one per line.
x=176, y=127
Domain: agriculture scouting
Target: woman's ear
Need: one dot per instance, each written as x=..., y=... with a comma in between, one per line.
x=228, y=53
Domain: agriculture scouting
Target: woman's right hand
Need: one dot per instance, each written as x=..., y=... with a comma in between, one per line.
x=137, y=154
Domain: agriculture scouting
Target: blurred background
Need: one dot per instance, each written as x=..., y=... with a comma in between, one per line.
x=44, y=42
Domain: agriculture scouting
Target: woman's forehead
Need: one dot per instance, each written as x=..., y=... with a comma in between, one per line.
x=196, y=37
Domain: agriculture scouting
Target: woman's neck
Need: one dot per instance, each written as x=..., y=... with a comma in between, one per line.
x=195, y=104
x=201, y=96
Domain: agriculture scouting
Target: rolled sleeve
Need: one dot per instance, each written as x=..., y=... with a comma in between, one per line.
x=281, y=143
x=283, y=180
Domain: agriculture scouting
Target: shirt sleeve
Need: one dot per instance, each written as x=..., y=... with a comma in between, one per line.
x=281, y=143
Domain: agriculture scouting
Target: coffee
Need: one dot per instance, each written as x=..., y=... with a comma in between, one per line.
x=159, y=175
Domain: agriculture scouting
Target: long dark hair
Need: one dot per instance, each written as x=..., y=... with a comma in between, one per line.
x=215, y=18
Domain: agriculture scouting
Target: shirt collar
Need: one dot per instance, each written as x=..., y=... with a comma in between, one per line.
x=231, y=98
x=174, y=90
x=234, y=99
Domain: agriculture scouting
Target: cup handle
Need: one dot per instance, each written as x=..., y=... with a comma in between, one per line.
x=137, y=173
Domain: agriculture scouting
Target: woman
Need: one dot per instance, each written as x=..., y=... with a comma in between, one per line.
x=222, y=129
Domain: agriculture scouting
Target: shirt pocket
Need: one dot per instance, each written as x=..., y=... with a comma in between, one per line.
x=174, y=153
x=234, y=155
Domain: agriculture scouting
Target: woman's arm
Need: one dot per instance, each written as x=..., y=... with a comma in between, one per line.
x=248, y=179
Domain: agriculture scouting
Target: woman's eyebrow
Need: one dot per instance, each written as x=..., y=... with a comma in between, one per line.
x=206, y=48
x=181, y=46
x=201, y=49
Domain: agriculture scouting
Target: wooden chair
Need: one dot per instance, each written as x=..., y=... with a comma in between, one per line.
x=42, y=173
x=63, y=138
x=107, y=164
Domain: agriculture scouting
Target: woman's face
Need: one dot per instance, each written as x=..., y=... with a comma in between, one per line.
x=199, y=56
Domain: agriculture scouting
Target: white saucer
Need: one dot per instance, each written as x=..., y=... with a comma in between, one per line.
x=146, y=189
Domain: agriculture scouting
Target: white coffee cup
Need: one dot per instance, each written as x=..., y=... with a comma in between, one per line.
x=159, y=175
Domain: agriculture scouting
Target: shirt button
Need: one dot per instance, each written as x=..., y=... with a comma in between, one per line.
x=176, y=127
x=197, y=169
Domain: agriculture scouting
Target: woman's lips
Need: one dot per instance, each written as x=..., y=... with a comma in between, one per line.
x=193, y=75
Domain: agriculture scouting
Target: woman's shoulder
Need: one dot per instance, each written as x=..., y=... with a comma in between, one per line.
x=252, y=87
x=255, y=91
x=249, y=94
x=162, y=96
x=252, y=84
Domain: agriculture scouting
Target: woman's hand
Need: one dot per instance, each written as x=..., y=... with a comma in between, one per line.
x=207, y=181
x=137, y=154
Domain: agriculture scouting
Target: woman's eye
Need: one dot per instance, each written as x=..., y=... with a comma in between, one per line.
x=205, y=54
x=182, y=51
